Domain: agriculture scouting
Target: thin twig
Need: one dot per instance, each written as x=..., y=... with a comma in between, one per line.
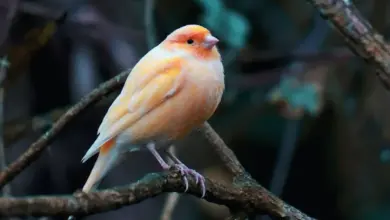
x=172, y=198
x=358, y=34
x=4, y=65
x=169, y=206
x=313, y=41
x=3, y=159
x=238, y=216
x=276, y=206
x=285, y=156
x=17, y=128
x=250, y=199
x=9, y=9
x=35, y=150
x=267, y=202
x=225, y=153
x=229, y=159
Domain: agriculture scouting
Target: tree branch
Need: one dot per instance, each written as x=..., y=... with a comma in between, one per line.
x=241, y=177
x=169, y=206
x=229, y=159
x=359, y=35
x=238, y=216
x=35, y=150
x=249, y=199
x=249, y=196
x=225, y=153
x=17, y=128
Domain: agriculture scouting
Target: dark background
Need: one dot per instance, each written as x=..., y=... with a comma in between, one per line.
x=299, y=110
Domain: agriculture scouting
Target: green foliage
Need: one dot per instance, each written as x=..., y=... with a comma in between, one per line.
x=227, y=24
x=298, y=95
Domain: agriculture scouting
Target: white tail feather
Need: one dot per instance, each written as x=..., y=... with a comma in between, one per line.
x=95, y=147
x=103, y=164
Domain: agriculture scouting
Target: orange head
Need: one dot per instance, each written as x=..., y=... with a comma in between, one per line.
x=194, y=39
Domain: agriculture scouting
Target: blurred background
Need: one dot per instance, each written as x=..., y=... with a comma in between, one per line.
x=304, y=115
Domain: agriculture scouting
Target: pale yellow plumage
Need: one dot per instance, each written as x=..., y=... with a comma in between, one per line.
x=172, y=89
x=157, y=85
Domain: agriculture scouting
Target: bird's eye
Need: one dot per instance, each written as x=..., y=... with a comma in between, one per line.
x=190, y=41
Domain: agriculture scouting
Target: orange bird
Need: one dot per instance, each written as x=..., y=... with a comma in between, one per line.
x=175, y=87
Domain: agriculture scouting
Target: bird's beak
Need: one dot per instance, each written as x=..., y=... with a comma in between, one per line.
x=210, y=41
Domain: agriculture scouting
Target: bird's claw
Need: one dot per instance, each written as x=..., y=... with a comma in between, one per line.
x=185, y=171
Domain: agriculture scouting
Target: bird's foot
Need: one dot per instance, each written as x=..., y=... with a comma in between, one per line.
x=185, y=171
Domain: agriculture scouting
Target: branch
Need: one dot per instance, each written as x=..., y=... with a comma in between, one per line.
x=238, y=216
x=359, y=35
x=169, y=206
x=81, y=204
x=255, y=198
x=173, y=198
x=225, y=153
x=243, y=179
x=17, y=128
x=35, y=150
x=3, y=158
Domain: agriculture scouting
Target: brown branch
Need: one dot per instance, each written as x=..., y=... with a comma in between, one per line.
x=35, y=150
x=359, y=35
x=249, y=199
x=169, y=206
x=17, y=128
x=225, y=153
x=173, y=198
x=238, y=216
x=241, y=177
x=255, y=198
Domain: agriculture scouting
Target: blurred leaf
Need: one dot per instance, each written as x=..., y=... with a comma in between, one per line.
x=296, y=95
x=227, y=24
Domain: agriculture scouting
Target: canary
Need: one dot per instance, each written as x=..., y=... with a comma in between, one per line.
x=174, y=88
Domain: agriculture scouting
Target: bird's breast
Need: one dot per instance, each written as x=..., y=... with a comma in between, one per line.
x=195, y=103
x=200, y=97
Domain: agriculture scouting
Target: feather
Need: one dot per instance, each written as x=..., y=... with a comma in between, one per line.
x=144, y=97
x=107, y=159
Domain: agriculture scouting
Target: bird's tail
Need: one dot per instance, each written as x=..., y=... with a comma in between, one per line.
x=108, y=156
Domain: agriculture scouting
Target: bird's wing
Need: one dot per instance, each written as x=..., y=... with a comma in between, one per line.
x=147, y=87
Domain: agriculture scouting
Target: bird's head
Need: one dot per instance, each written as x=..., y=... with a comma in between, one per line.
x=194, y=39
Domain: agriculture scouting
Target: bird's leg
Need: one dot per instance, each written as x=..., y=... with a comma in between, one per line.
x=184, y=170
x=152, y=148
